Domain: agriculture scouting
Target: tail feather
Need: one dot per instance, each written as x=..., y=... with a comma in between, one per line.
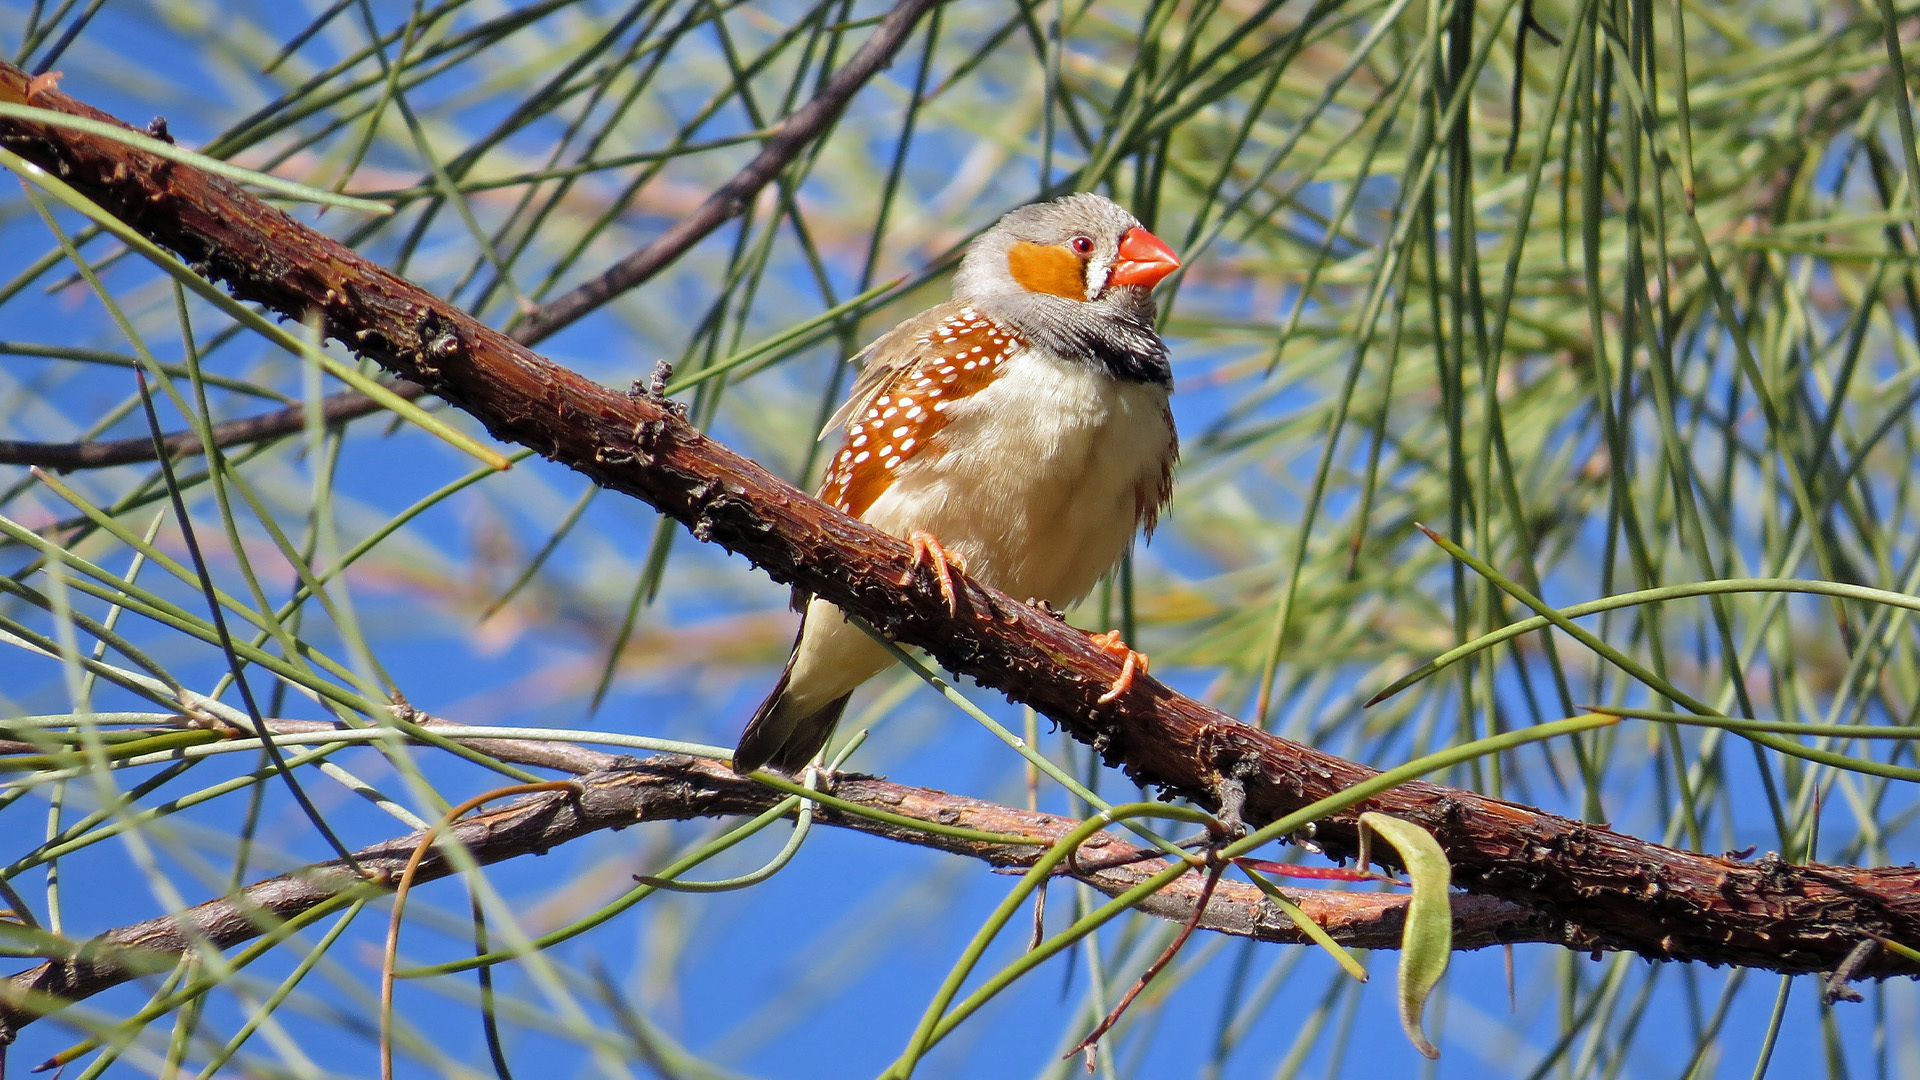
x=780, y=736
x=794, y=723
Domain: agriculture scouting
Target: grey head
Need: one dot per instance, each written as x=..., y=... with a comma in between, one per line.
x=1076, y=276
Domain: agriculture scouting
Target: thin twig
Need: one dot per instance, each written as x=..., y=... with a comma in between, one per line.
x=1527, y=23
x=335, y=408
x=1090, y=1044
x=731, y=199
x=390, y=955
x=219, y=618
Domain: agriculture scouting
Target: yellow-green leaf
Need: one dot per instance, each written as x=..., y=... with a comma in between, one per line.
x=1427, y=943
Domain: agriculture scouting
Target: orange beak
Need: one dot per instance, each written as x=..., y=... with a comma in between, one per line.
x=1144, y=260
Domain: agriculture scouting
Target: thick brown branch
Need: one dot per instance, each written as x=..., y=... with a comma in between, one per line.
x=728, y=201
x=677, y=788
x=1621, y=892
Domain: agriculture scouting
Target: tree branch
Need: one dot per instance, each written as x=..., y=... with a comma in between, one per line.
x=798, y=131
x=335, y=408
x=618, y=792
x=732, y=198
x=1614, y=891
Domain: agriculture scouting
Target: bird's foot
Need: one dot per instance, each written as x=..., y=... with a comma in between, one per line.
x=1045, y=608
x=928, y=552
x=818, y=776
x=1130, y=662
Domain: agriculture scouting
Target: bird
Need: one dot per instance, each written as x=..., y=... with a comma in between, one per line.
x=1020, y=432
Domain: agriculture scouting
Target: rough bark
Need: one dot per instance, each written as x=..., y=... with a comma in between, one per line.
x=616, y=793
x=1611, y=890
x=798, y=131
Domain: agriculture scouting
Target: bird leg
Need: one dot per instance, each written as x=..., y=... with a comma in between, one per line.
x=818, y=777
x=1130, y=662
x=928, y=552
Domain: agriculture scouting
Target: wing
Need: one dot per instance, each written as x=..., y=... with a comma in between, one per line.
x=873, y=376
x=899, y=404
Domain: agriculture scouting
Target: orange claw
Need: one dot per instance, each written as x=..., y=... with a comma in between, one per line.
x=1130, y=662
x=928, y=552
x=43, y=83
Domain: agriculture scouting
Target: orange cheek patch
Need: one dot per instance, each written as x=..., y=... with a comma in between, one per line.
x=1048, y=268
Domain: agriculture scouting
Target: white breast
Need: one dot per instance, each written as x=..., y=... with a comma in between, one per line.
x=1035, y=481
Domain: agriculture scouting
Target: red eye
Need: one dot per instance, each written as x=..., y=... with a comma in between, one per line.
x=1081, y=245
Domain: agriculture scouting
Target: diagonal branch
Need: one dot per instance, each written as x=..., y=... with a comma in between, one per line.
x=732, y=198
x=1616, y=891
x=801, y=129
x=619, y=792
